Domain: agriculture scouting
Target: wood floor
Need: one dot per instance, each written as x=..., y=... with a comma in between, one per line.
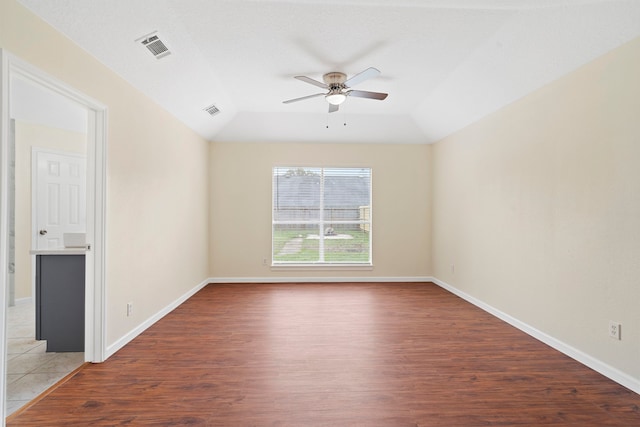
x=390, y=354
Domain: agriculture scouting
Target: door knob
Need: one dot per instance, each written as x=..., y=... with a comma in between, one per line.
x=43, y=232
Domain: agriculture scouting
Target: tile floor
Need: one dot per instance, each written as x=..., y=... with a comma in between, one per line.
x=30, y=370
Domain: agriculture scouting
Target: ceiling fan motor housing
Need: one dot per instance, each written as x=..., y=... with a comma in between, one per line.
x=335, y=80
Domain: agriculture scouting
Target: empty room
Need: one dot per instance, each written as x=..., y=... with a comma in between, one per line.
x=320, y=212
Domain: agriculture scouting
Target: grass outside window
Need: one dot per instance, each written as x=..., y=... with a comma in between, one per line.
x=303, y=246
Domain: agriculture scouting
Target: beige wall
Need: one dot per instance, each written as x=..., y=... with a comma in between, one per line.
x=240, y=180
x=538, y=207
x=29, y=136
x=157, y=211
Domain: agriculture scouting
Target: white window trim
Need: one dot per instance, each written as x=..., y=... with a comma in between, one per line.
x=323, y=265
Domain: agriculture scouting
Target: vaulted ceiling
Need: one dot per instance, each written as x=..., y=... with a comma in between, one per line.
x=444, y=63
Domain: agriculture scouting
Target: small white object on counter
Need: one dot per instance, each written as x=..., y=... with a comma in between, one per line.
x=74, y=240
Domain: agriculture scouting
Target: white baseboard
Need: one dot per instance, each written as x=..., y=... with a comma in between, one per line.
x=590, y=361
x=153, y=319
x=340, y=279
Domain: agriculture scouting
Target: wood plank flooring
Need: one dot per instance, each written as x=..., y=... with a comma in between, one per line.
x=348, y=354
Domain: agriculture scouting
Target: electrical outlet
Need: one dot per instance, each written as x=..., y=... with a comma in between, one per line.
x=453, y=268
x=264, y=261
x=615, y=330
x=129, y=308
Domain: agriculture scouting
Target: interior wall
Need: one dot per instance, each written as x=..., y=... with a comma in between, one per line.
x=157, y=210
x=536, y=209
x=240, y=181
x=29, y=136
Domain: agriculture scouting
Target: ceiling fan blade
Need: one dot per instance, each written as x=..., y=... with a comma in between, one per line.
x=364, y=75
x=311, y=81
x=333, y=108
x=289, y=101
x=366, y=94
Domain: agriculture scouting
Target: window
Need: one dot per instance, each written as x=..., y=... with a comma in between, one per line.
x=321, y=216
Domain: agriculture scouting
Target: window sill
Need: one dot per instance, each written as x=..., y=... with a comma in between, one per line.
x=321, y=267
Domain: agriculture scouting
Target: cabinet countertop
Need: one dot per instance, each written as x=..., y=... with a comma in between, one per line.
x=59, y=251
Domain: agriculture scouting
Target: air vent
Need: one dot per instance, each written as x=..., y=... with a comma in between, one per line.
x=212, y=110
x=155, y=45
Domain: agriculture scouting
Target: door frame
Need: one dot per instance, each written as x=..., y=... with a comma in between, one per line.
x=95, y=300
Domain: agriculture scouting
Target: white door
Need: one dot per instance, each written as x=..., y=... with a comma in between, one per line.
x=59, y=198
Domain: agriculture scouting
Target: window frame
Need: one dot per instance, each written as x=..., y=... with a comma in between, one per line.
x=321, y=222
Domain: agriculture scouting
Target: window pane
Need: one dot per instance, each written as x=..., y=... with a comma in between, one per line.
x=346, y=243
x=296, y=194
x=345, y=192
x=291, y=243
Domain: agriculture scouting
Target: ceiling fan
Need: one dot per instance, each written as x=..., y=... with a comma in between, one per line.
x=339, y=88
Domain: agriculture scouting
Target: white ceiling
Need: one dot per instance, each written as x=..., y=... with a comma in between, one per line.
x=444, y=63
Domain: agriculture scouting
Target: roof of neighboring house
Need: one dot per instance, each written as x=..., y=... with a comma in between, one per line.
x=304, y=190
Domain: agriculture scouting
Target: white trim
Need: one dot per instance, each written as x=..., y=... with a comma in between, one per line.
x=282, y=266
x=96, y=298
x=341, y=279
x=597, y=365
x=4, y=224
x=320, y=222
x=127, y=338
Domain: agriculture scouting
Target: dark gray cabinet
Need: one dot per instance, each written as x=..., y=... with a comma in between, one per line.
x=60, y=301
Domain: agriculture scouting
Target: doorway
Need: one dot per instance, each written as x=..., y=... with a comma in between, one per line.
x=14, y=70
x=49, y=200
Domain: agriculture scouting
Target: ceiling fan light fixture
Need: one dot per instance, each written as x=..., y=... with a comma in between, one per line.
x=336, y=98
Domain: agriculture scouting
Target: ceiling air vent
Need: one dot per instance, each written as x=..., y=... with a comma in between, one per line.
x=155, y=45
x=212, y=110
